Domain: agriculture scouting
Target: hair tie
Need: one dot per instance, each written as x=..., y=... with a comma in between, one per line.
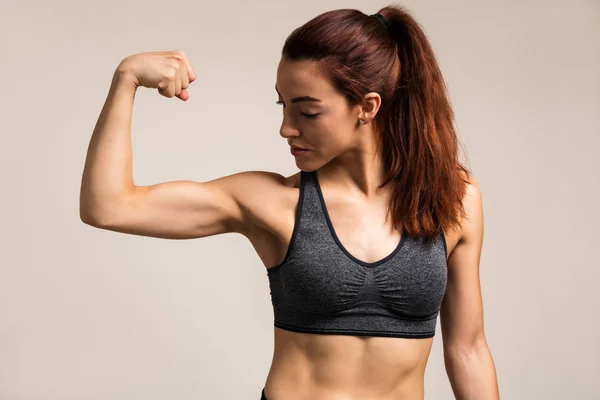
x=380, y=18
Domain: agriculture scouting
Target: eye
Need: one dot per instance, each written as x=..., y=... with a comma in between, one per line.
x=311, y=116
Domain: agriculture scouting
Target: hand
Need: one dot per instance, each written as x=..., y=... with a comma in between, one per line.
x=170, y=72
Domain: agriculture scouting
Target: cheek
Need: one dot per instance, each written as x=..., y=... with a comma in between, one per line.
x=331, y=144
x=338, y=134
x=329, y=135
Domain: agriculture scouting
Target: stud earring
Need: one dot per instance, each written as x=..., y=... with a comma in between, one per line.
x=362, y=122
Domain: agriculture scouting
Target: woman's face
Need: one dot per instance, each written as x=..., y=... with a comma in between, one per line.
x=315, y=116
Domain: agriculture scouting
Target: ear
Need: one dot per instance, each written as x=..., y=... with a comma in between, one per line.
x=369, y=110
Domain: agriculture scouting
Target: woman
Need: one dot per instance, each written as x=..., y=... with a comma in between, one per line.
x=379, y=231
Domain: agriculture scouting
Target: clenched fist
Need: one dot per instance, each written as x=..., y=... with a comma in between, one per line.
x=170, y=72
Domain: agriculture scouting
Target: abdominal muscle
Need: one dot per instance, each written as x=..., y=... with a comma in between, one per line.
x=343, y=367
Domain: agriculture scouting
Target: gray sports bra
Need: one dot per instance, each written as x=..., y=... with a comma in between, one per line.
x=321, y=288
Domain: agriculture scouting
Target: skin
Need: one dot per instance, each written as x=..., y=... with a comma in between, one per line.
x=261, y=206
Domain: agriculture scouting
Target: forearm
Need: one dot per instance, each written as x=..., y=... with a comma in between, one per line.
x=108, y=173
x=472, y=373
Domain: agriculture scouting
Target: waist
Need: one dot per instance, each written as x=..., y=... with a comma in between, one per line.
x=344, y=367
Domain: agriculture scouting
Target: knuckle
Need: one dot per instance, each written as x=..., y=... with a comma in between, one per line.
x=171, y=73
x=167, y=93
x=177, y=56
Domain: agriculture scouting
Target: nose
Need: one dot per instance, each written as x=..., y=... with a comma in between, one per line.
x=287, y=129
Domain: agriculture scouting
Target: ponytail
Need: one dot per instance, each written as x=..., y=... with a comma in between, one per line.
x=415, y=123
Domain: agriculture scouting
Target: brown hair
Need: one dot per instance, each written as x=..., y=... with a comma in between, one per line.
x=415, y=123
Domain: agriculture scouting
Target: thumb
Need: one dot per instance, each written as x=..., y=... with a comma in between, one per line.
x=184, y=95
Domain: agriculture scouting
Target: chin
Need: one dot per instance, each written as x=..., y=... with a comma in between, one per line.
x=308, y=165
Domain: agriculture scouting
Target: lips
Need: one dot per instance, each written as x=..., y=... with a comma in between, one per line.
x=297, y=151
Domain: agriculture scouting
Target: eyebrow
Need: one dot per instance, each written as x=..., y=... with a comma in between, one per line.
x=301, y=98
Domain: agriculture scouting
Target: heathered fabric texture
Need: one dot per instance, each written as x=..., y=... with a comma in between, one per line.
x=321, y=288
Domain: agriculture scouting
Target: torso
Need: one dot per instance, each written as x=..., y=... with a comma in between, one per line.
x=337, y=367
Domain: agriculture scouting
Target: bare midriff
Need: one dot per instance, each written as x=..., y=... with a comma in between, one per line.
x=343, y=367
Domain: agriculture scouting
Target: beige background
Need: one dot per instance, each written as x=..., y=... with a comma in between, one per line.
x=92, y=314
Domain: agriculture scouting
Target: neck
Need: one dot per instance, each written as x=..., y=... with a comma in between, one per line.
x=359, y=169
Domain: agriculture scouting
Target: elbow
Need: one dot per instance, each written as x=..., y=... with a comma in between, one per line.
x=465, y=347
x=89, y=219
x=98, y=215
x=100, y=212
x=92, y=218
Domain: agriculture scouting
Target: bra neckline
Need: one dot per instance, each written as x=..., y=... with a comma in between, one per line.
x=337, y=239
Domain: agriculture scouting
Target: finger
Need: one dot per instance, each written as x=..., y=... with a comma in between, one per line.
x=163, y=87
x=185, y=80
x=184, y=95
x=190, y=70
x=167, y=89
x=177, y=81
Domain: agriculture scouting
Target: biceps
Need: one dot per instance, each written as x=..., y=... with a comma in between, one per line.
x=176, y=210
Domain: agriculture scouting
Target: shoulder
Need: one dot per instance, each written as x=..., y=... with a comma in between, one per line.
x=262, y=196
x=250, y=181
x=472, y=223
